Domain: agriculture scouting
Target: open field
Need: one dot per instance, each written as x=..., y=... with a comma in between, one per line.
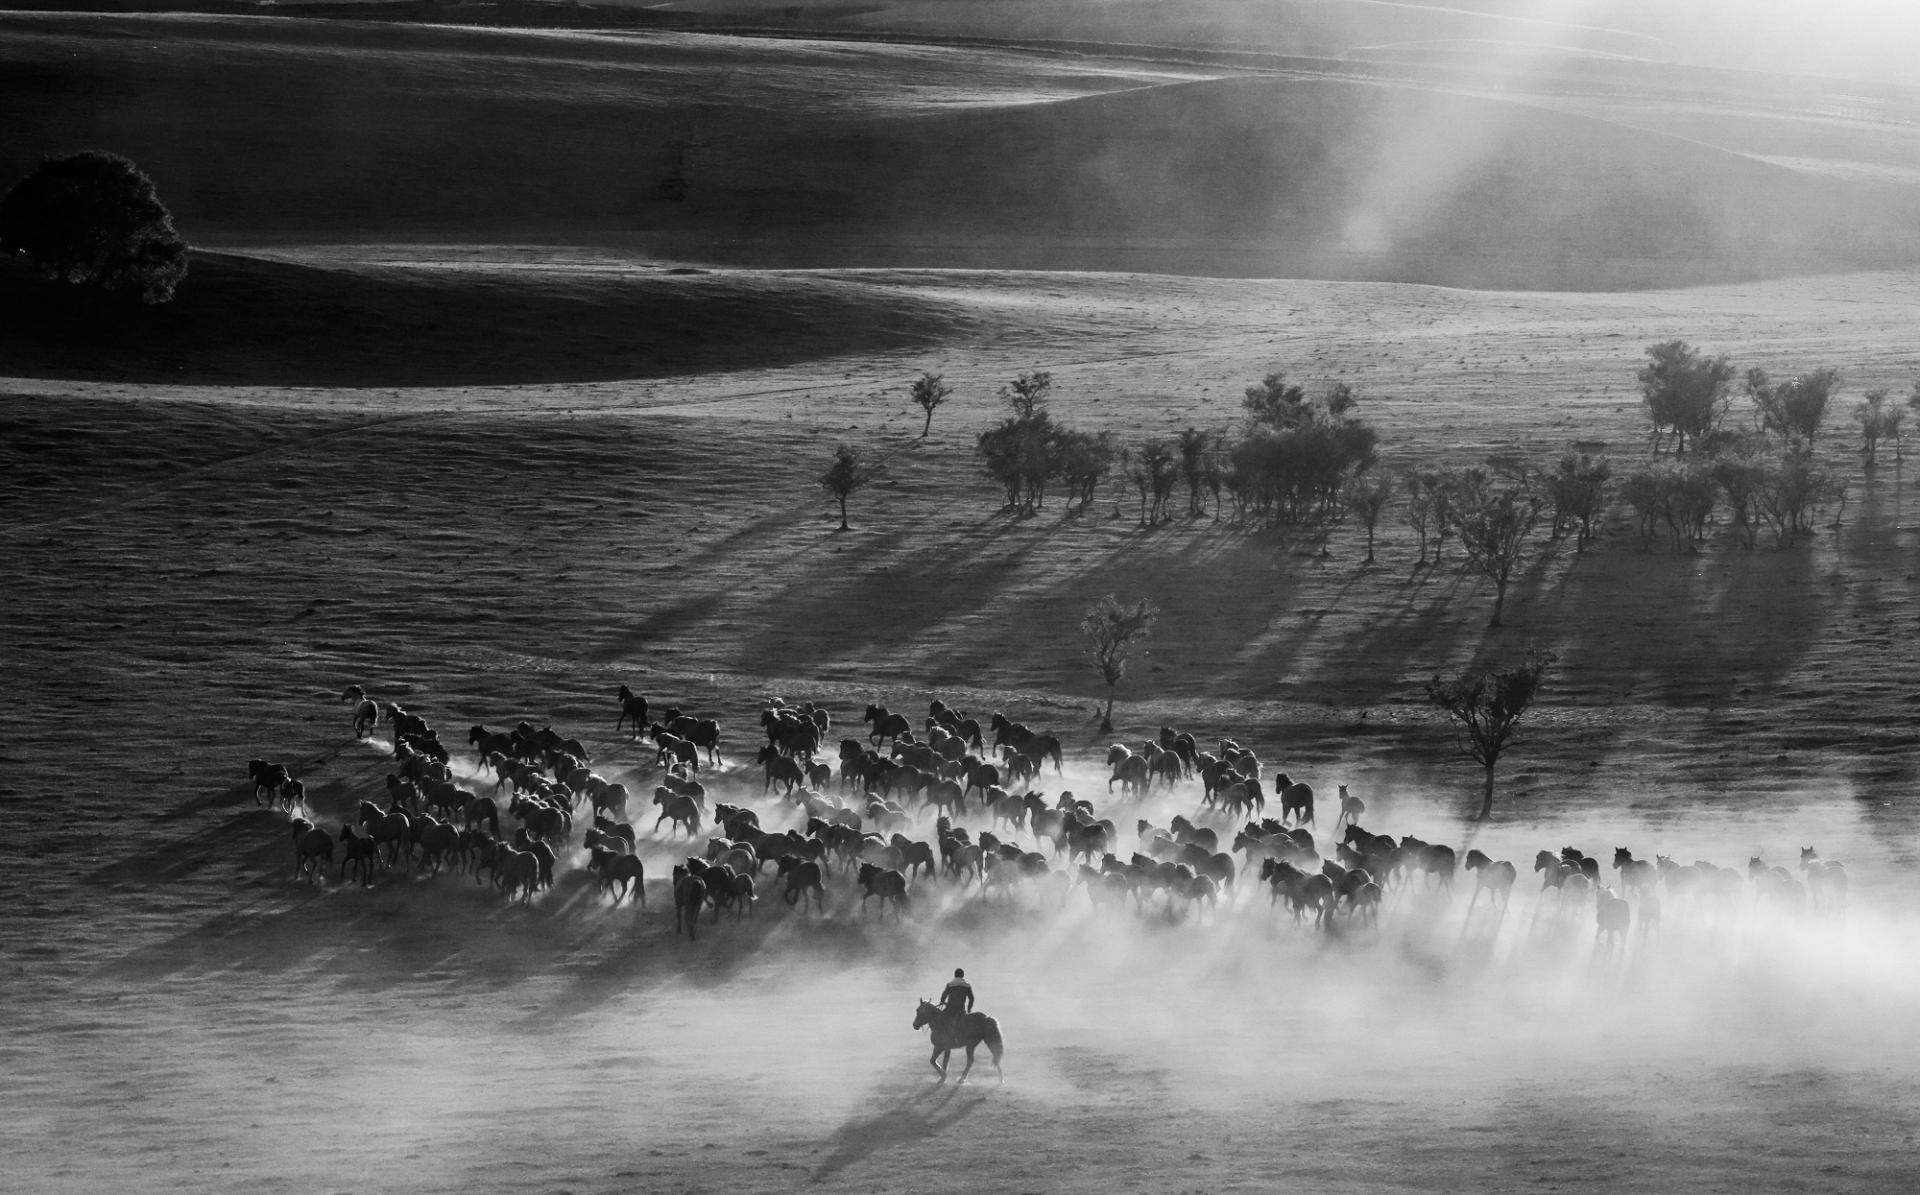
x=496, y=448
x=193, y=573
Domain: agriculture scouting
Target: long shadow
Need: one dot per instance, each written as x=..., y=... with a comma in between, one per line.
x=890, y=594
x=928, y=1113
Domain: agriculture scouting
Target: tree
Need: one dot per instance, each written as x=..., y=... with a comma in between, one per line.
x=1792, y=488
x=1027, y=394
x=1110, y=629
x=1795, y=407
x=1684, y=391
x=845, y=477
x=1494, y=526
x=1879, y=420
x=1274, y=403
x=1085, y=459
x=94, y=222
x=1367, y=498
x=928, y=393
x=1196, y=450
x=1487, y=705
x=1422, y=506
x=1577, y=487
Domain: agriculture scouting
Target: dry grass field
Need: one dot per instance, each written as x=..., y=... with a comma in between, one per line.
x=494, y=450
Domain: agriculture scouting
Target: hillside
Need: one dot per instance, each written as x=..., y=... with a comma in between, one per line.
x=814, y=154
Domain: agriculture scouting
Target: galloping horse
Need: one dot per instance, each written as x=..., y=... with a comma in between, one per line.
x=959, y=1031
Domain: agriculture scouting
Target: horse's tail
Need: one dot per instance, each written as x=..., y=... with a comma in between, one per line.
x=992, y=1040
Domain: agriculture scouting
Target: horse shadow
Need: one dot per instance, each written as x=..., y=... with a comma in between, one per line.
x=928, y=1113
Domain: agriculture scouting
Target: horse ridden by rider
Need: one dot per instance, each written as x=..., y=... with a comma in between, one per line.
x=956, y=1026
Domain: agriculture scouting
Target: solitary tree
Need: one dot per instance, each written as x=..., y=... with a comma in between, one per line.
x=1487, y=706
x=1110, y=629
x=845, y=477
x=928, y=393
x=93, y=221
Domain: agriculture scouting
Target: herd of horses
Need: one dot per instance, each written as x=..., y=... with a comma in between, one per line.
x=848, y=815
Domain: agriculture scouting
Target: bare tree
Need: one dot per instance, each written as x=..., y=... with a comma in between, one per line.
x=928, y=393
x=1487, y=706
x=845, y=477
x=1111, y=629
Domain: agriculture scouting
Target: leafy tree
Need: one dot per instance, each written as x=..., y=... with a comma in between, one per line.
x=1296, y=456
x=1792, y=489
x=93, y=221
x=1487, y=706
x=1196, y=450
x=1577, y=488
x=1111, y=630
x=1644, y=490
x=1085, y=460
x=1794, y=408
x=1274, y=403
x=847, y=476
x=1024, y=451
x=1027, y=394
x=1686, y=393
x=928, y=393
x=1494, y=526
x=1367, y=498
x=1879, y=420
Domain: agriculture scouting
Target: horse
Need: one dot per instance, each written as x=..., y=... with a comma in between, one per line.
x=1296, y=799
x=1129, y=771
x=780, y=769
x=387, y=827
x=311, y=847
x=802, y=877
x=885, y=725
x=634, y=707
x=887, y=884
x=268, y=778
x=1826, y=881
x=1351, y=807
x=357, y=850
x=1495, y=878
x=681, y=811
x=620, y=873
x=1612, y=917
x=953, y=1031
x=1636, y=875
x=689, y=894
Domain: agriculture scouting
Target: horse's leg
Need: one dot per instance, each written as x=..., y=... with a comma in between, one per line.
x=969, y=1067
x=934, y=1061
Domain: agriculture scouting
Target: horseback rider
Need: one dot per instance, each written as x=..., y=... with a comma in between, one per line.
x=957, y=998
